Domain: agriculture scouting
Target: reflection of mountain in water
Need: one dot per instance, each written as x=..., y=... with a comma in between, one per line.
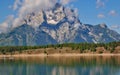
x=64, y=71
x=85, y=71
x=59, y=66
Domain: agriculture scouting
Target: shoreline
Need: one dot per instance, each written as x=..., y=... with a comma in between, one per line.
x=56, y=55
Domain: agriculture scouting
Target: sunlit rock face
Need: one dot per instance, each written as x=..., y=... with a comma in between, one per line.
x=58, y=25
x=34, y=19
x=55, y=15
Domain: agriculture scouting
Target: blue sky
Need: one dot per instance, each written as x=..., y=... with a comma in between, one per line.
x=90, y=11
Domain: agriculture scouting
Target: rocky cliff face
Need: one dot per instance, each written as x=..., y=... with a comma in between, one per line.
x=57, y=25
x=25, y=35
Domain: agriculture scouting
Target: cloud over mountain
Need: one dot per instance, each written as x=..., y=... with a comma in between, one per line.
x=24, y=7
x=64, y=2
x=59, y=24
x=28, y=6
x=7, y=23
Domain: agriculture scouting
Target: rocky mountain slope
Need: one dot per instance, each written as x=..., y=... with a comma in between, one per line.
x=56, y=25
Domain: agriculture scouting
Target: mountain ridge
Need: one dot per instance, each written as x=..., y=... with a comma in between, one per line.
x=56, y=26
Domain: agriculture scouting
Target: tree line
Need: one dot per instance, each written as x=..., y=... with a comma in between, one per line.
x=74, y=46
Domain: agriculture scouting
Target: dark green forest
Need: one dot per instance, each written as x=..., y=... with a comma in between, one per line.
x=81, y=46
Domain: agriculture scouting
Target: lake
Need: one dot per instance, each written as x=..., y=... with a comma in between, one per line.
x=82, y=65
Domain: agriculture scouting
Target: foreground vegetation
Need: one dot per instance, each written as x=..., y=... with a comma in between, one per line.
x=112, y=47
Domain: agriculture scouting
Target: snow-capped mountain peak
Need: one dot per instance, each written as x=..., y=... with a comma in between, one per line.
x=57, y=25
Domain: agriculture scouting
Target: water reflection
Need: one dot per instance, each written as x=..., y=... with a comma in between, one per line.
x=64, y=71
x=109, y=65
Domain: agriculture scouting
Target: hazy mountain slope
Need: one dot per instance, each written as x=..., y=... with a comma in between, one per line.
x=26, y=35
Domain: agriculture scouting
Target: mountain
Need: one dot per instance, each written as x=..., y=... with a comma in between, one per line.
x=25, y=35
x=56, y=25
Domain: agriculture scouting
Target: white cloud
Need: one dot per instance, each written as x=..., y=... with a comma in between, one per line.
x=101, y=16
x=64, y=2
x=16, y=4
x=100, y=3
x=3, y=27
x=115, y=26
x=24, y=7
x=17, y=22
x=113, y=13
x=28, y=6
x=7, y=23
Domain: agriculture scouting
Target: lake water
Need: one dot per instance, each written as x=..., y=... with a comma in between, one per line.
x=84, y=65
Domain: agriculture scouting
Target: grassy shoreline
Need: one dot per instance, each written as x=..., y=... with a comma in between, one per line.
x=57, y=55
x=70, y=49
